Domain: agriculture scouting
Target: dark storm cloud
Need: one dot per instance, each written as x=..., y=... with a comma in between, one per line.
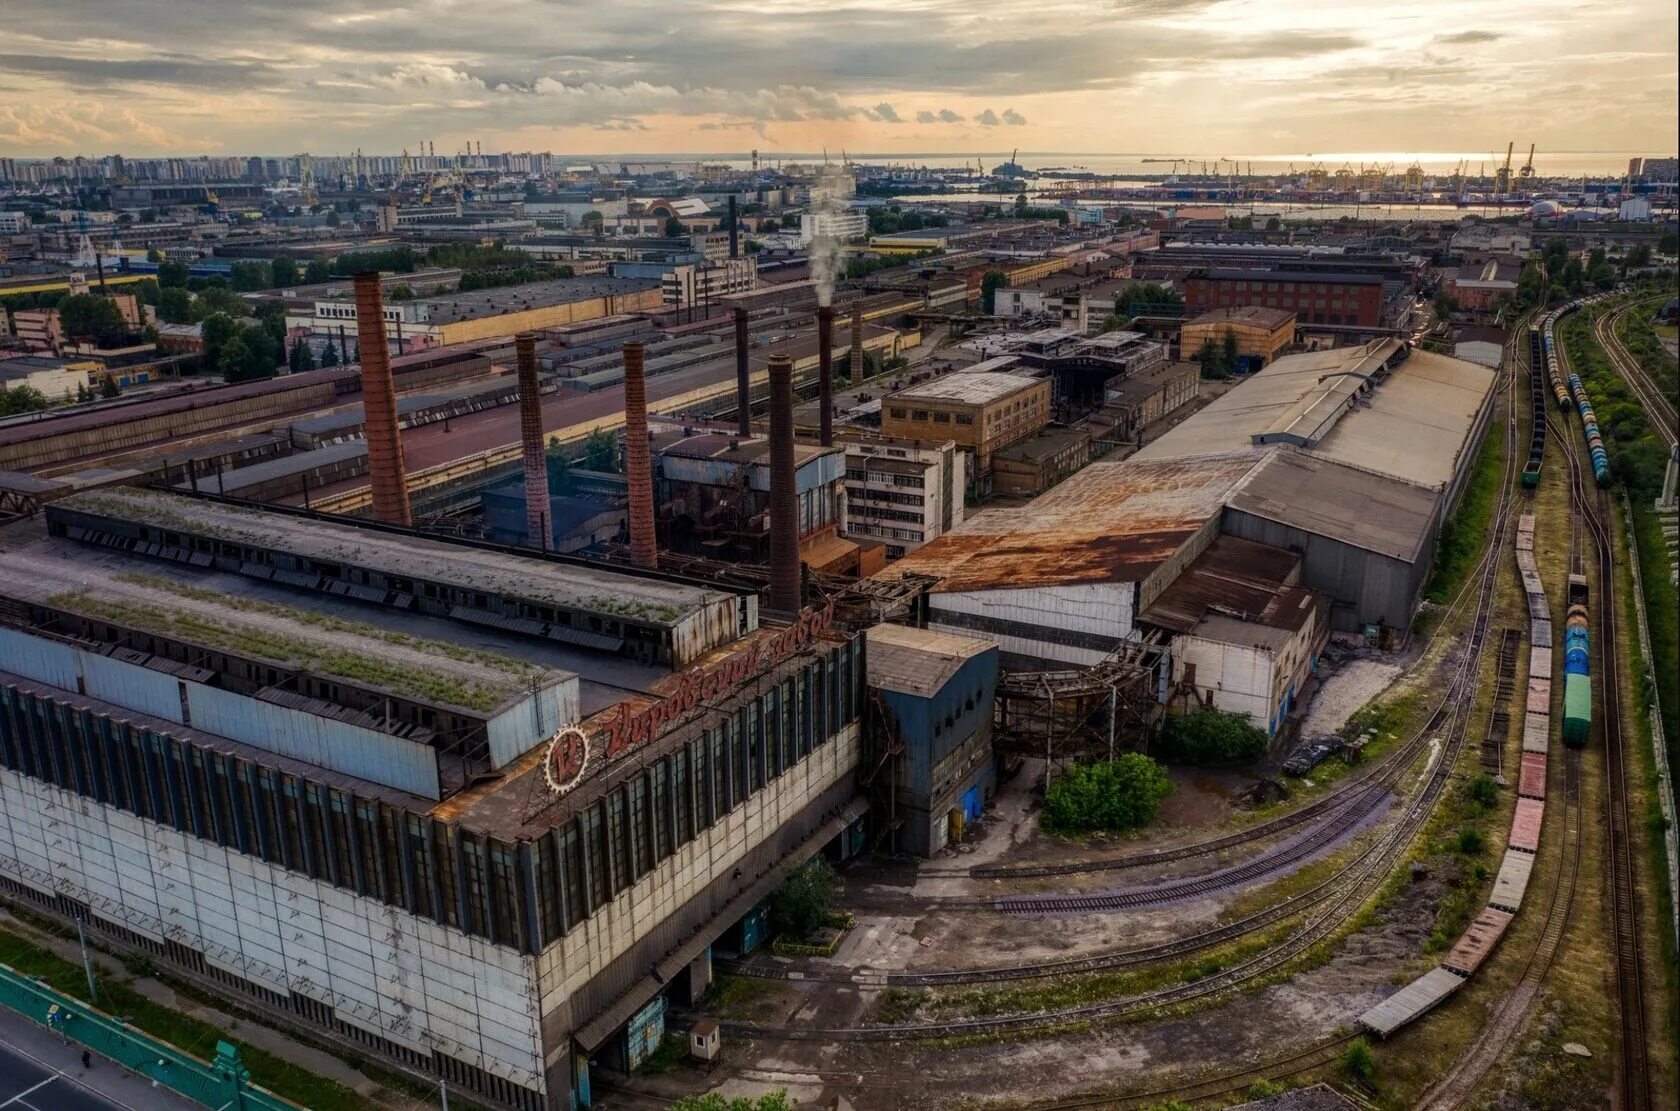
x=171, y=69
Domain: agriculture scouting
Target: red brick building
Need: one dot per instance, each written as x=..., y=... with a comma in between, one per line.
x=1315, y=298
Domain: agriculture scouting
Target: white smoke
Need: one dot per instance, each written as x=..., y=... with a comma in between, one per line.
x=827, y=200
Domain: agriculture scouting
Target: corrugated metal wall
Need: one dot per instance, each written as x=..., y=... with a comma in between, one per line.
x=520, y=728
x=1364, y=587
x=351, y=749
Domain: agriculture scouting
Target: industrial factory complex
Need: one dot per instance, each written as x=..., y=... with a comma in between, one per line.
x=606, y=544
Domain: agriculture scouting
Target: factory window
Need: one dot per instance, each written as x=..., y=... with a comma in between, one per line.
x=897, y=414
x=660, y=809
x=682, y=798
x=755, y=746
x=942, y=418
x=545, y=879
x=965, y=418
x=919, y=414
x=505, y=916
x=636, y=804
x=594, y=827
x=368, y=842
x=473, y=884
x=339, y=814
x=571, y=875
x=618, y=843
x=420, y=864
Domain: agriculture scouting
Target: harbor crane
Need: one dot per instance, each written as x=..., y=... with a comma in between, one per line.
x=1527, y=171
x=1502, y=176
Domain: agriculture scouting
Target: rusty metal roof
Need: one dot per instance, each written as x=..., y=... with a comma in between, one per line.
x=1111, y=522
x=1237, y=578
x=918, y=661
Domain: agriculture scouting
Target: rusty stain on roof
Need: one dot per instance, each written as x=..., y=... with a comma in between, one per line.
x=1111, y=522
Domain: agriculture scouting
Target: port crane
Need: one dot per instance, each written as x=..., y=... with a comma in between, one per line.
x=1502, y=176
x=1527, y=171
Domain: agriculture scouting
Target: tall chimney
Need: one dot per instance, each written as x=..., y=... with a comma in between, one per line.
x=538, y=532
x=379, y=406
x=743, y=386
x=785, y=593
x=825, y=371
x=857, y=345
x=638, y=467
x=734, y=230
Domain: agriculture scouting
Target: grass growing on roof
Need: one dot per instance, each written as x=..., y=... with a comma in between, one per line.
x=247, y=638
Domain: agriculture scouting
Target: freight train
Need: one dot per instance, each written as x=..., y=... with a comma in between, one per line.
x=1509, y=886
x=1537, y=427
x=1577, y=670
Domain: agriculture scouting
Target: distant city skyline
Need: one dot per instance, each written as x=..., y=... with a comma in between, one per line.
x=1261, y=77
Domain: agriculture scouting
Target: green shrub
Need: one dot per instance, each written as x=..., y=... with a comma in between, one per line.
x=1483, y=791
x=1469, y=841
x=800, y=904
x=1359, y=1062
x=1115, y=796
x=1264, y=1089
x=1213, y=737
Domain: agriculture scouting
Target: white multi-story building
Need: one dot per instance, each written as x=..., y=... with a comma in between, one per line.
x=13, y=223
x=842, y=226
x=903, y=492
x=690, y=284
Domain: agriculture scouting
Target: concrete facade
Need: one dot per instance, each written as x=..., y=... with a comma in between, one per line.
x=903, y=493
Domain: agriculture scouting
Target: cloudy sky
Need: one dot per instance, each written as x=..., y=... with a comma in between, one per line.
x=1255, y=77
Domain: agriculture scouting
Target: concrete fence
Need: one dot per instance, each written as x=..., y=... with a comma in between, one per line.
x=220, y=1084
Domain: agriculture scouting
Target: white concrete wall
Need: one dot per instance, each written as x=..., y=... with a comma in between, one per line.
x=382, y=969
x=567, y=965
x=1240, y=677
x=1104, y=609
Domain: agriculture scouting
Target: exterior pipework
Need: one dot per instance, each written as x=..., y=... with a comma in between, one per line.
x=857, y=346
x=538, y=531
x=638, y=464
x=743, y=383
x=387, y=475
x=825, y=372
x=785, y=593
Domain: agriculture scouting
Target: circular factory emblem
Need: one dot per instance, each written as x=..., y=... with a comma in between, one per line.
x=567, y=755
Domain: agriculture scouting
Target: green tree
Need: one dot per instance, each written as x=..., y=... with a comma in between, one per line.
x=217, y=300
x=172, y=274
x=559, y=469
x=593, y=221
x=1228, y=351
x=800, y=903
x=1445, y=306
x=600, y=451
x=284, y=271
x=1639, y=255
x=674, y=227
x=109, y=389
x=1210, y=737
x=261, y=357
x=231, y=356
x=1212, y=360
x=404, y=292
x=82, y=395
x=88, y=316
x=329, y=355
x=1359, y=1062
x=1120, y=795
x=1531, y=285
x=1113, y=322
x=153, y=255
x=333, y=219
x=993, y=281
x=217, y=330
x=319, y=270
x=175, y=305
x=1273, y=223
x=1147, y=297
x=22, y=399
x=249, y=276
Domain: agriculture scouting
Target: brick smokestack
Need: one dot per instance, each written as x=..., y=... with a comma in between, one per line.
x=379, y=407
x=857, y=346
x=743, y=384
x=785, y=593
x=734, y=229
x=825, y=371
x=638, y=466
x=538, y=531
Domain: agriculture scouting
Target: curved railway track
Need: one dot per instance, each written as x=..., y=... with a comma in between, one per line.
x=1651, y=395
x=1353, y=886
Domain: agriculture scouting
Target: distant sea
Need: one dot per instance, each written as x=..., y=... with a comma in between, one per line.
x=1549, y=164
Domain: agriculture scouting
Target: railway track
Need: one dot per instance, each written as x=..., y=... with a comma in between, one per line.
x=1651, y=395
x=1594, y=512
x=1355, y=884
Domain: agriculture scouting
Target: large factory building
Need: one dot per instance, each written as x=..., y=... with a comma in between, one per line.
x=326, y=769
x=1306, y=500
